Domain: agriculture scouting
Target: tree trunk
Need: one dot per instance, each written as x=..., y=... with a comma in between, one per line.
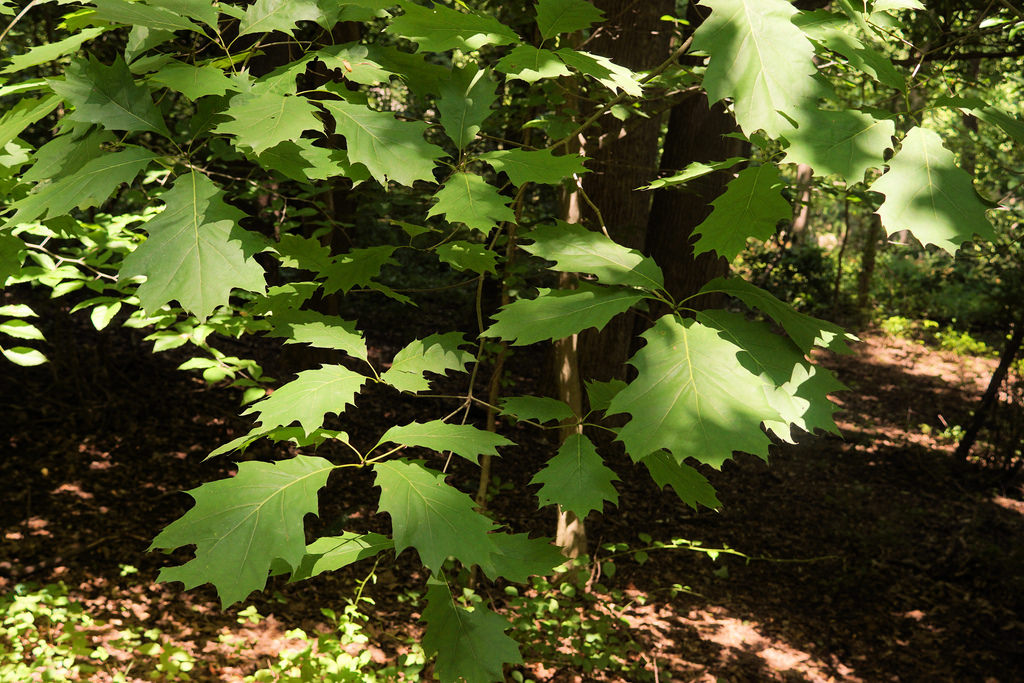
x=623, y=156
x=695, y=133
x=802, y=215
x=867, y=264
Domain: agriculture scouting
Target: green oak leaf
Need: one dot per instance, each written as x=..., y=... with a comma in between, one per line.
x=196, y=252
x=265, y=16
x=692, y=396
x=357, y=268
x=139, y=14
x=331, y=553
x=535, y=166
x=303, y=161
x=797, y=389
x=804, y=330
x=565, y=16
x=603, y=70
x=576, y=478
x=353, y=63
x=429, y=515
x=41, y=54
x=439, y=29
x=832, y=31
x=927, y=194
x=560, y=313
x=691, y=486
x=308, y=398
x=575, y=249
x=262, y=120
x=361, y=11
x=193, y=81
x=529, y=64
x=66, y=154
x=319, y=330
x=537, y=408
x=464, y=102
x=90, y=185
x=751, y=206
x=760, y=59
x=437, y=353
x=695, y=170
x=389, y=148
x=517, y=557
x=466, y=441
x=470, y=645
x=241, y=524
x=469, y=199
x=463, y=255
x=844, y=143
x=109, y=96
x=305, y=253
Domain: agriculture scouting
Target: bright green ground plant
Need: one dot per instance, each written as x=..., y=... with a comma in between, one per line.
x=228, y=152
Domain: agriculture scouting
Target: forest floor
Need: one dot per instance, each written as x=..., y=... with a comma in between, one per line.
x=871, y=558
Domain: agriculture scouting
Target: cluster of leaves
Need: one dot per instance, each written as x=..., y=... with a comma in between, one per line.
x=179, y=100
x=44, y=635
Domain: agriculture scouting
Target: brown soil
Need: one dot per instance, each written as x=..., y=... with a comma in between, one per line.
x=874, y=557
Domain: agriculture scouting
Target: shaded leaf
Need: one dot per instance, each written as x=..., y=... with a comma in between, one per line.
x=319, y=330
x=262, y=120
x=603, y=70
x=464, y=102
x=109, y=96
x=241, y=524
x=357, y=268
x=574, y=248
x=463, y=255
x=576, y=478
x=331, y=553
x=529, y=64
x=437, y=353
x=535, y=166
x=845, y=143
x=565, y=16
x=469, y=199
x=140, y=14
x=429, y=515
x=193, y=81
x=691, y=486
x=466, y=441
x=196, y=252
x=389, y=148
x=91, y=185
x=600, y=394
x=927, y=194
x=470, y=646
x=308, y=398
x=537, y=408
x=751, y=206
x=439, y=29
x=560, y=313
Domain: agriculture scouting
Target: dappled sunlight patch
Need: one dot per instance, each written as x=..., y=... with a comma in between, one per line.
x=1009, y=504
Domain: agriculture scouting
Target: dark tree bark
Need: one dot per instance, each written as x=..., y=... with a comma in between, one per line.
x=623, y=156
x=695, y=133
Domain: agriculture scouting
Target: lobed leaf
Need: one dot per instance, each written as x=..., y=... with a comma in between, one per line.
x=437, y=353
x=576, y=478
x=241, y=524
x=751, y=206
x=463, y=440
x=308, y=398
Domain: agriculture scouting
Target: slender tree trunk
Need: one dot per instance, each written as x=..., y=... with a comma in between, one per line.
x=802, y=214
x=867, y=264
x=1010, y=351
